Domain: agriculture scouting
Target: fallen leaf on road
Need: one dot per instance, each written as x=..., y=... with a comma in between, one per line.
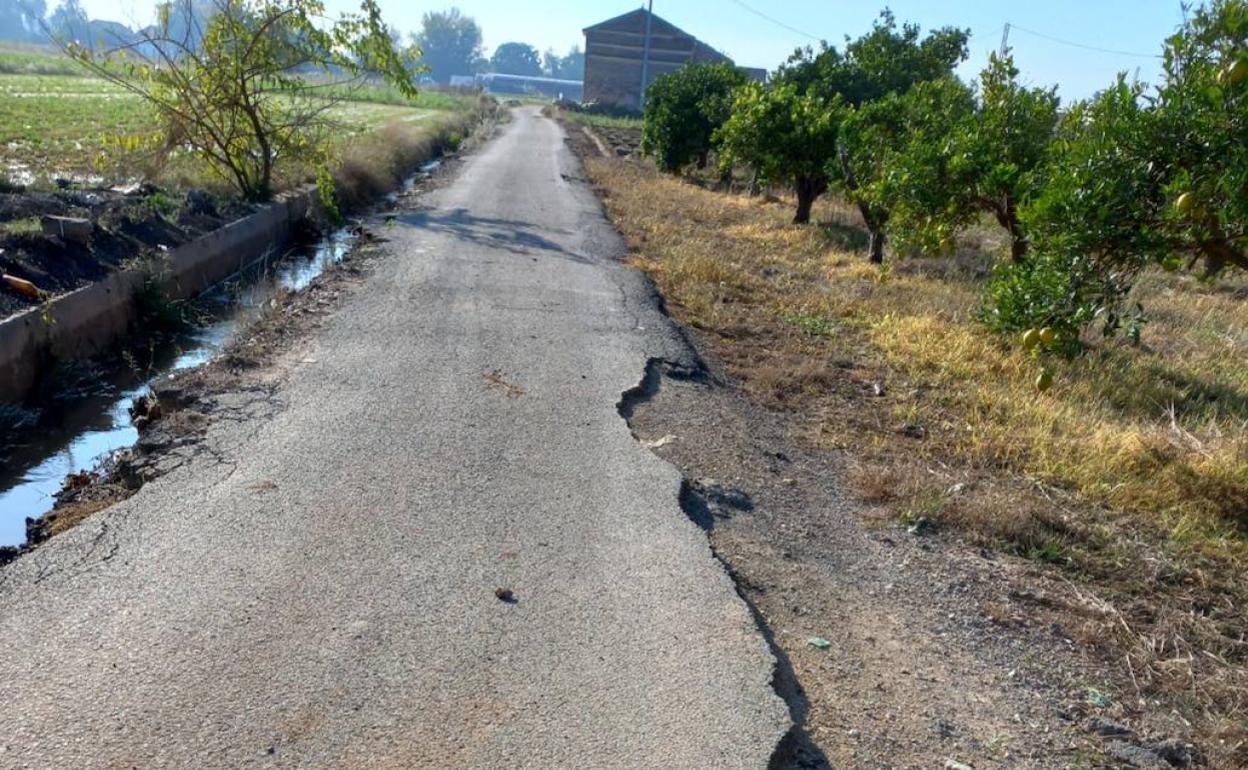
x=658, y=442
x=497, y=379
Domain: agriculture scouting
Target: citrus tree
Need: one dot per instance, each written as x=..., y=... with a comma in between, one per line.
x=1160, y=177
x=256, y=84
x=895, y=158
x=1093, y=223
x=1139, y=178
x=788, y=136
x=888, y=59
x=1200, y=138
x=998, y=151
x=684, y=109
x=867, y=77
x=965, y=157
x=870, y=135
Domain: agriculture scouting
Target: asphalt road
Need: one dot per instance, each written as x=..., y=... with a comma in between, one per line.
x=316, y=588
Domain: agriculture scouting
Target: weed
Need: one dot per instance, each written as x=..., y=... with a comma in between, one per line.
x=161, y=203
x=24, y=226
x=811, y=324
x=156, y=312
x=379, y=161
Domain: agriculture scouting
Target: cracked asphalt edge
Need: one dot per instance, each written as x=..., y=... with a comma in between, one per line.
x=677, y=357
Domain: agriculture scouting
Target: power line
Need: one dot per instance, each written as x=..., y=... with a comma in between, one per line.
x=776, y=21
x=1084, y=46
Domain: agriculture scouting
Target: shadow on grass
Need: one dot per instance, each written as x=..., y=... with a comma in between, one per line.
x=1163, y=387
x=845, y=236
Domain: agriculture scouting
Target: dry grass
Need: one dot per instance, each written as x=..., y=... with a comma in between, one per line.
x=1130, y=475
x=70, y=516
x=377, y=162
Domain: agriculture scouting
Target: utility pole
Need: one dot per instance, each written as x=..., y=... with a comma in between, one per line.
x=1005, y=41
x=645, y=56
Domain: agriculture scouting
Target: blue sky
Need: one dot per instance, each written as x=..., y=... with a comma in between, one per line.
x=1124, y=26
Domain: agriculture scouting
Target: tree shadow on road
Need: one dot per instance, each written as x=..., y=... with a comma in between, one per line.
x=508, y=234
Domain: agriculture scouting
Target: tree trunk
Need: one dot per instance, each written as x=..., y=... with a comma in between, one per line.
x=1018, y=248
x=1218, y=253
x=877, y=246
x=1007, y=216
x=808, y=189
x=875, y=231
x=875, y=224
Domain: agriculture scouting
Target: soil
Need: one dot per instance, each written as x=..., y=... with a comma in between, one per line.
x=896, y=649
x=128, y=226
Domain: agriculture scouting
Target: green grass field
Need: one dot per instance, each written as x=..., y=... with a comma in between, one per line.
x=57, y=125
x=20, y=59
x=603, y=121
x=57, y=122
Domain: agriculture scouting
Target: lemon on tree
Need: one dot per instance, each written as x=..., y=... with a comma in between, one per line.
x=1235, y=72
x=1047, y=335
x=1044, y=380
x=1031, y=338
x=1137, y=176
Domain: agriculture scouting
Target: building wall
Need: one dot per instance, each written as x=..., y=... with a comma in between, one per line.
x=613, y=54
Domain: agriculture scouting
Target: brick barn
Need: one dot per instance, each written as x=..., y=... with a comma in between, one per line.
x=613, y=53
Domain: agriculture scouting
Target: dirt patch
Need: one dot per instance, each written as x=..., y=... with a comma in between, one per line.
x=624, y=142
x=126, y=227
x=901, y=649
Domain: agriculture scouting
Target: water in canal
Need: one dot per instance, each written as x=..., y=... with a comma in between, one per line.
x=82, y=432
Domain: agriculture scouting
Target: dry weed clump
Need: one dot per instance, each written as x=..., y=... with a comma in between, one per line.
x=378, y=161
x=1131, y=473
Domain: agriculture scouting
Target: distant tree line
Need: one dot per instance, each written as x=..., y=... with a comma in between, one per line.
x=22, y=20
x=452, y=45
x=29, y=21
x=451, y=41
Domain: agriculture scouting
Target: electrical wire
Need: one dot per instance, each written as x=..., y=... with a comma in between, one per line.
x=1084, y=46
x=776, y=21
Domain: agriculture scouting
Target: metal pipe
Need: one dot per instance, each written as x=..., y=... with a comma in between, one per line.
x=645, y=56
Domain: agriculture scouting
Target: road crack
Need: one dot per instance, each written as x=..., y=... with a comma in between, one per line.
x=702, y=504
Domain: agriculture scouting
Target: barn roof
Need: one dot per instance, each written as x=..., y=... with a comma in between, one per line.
x=660, y=27
x=659, y=23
